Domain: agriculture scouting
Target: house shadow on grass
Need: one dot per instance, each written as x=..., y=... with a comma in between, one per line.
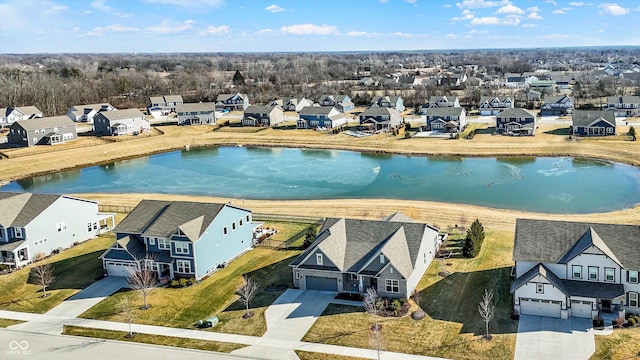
x=77, y=272
x=560, y=131
x=488, y=130
x=456, y=297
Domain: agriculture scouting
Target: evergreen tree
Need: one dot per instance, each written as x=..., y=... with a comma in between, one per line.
x=238, y=79
x=632, y=133
x=474, y=239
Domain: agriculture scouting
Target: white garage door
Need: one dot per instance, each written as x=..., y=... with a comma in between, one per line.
x=540, y=307
x=581, y=309
x=115, y=268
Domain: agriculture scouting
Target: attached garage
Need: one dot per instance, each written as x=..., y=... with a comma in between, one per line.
x=321, y=283
x=124, y=269
x=581, y=309
x=540, y=307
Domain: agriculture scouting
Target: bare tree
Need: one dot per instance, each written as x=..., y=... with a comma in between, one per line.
x=125, y=305
x=42, y=275
x=247, y=292
x=371, y=303
x=487, y=310
x=144, y=280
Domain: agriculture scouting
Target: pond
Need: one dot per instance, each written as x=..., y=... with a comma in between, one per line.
x=542, y=184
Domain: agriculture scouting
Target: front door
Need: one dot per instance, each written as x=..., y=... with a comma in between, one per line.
x=606, y=305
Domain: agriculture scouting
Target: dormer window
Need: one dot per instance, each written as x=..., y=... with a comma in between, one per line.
x=381, y=258
x=319, y=259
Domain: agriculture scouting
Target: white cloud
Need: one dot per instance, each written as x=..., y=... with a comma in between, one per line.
x=189, y=3
x=452, y=36
x=384, y=1
x=171, y=27
x=533, y=9
x=472, y=4
x=510, y=9
x=115, y=28
x=579, y=3
x=476, y=31
x=466, y=15
x=309, y=29
x=600, y=31
x=558, y=12
x=401, y=34
x=264, y=31
x=100, y=5
x=529, y=25
x=274, y=8
x=412, y=1
x=534, y=16
x=214, y=30
x=362, y=34
x=552, y=2
x=56, y=8
x=614, y=9
x=511, y=20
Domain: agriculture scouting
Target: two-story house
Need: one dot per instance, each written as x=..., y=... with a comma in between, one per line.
x=86, y=113
x=623, y=106
x=493, y=105
x=10, y=115
x=446, y=119
x=163, y=105
x=179, y=238
x=380, y=118
x=34, y=225
x=439, y=102
x=232, y=102
x=593, y=123
x=42, y=131
x=341, y=102
x=516, y=121
x=259, y=115
x=291, y=104
x=196, y=114
x=120, y=122
x=350, y=256
x=391, y=101
x=571, y=269
x=314, y=117
x=557, y=105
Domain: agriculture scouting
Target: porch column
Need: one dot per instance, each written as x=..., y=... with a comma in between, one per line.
x=360, y=283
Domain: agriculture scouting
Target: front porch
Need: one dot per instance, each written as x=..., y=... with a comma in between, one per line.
x=13, y=256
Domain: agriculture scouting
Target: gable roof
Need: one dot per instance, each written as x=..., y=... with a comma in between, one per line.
x=550, y=99
x=45, y=122
x=317, y=110
x=435, y=99
x=199, y=107
x=260, y=109
x=121, y=114
x=380, y=111
x=515, y=113
x=19, y=209
x=623, y=100
x=587, y=117
x=547, y=241
x=588, y=239
x=489, y=99
x=445, y=111
x=541, y=270
x=157, y=218
x=223, y=97
x=96, y=107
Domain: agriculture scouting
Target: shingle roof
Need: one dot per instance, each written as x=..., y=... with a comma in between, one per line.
x=445, y=111
x=554, y=99
x=29, y=110
x=547, y=241
x=96, y=107
x=122, y=114
x=623, y=100
x=19, y=209
x=380, y=111
x=316, y=110
x=223, y=97
x=586, y=117
x=207, y=106
x=258, y=109
x=515, y=113
x=45, y=122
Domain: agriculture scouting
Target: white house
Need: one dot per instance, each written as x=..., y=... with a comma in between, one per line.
x=9, y=115
x=196, y=113
x=86, y=113
x=571, y=269
x=493, y=105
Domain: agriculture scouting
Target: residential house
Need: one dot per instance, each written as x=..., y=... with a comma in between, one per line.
x=516, y=121
x=291, y=104
x=593, y=123
x=42, y=131
x=493, y=105
x=557, y=105
x=86, y=113
x=391, y=101
x=515, y=80
x=380, y=118
x=571, y=269
x=350, y=256
x=323, y=117
x=439, y=102
x=262, y=115
x=446, y=119
x=10, y=115
x=120, y=122
x=624, y=106
x=179, y=238
x=163, y=105
x=35, y=225
x=232, y=102
x=340, y=102
x=196, y=113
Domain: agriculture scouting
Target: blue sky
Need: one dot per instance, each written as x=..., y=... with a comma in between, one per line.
x=57, y=26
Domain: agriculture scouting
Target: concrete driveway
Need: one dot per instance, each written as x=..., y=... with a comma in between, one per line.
x=542, y=337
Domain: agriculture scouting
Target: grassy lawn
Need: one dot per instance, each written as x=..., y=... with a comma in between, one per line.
x=307, y=355
x=75, y=269
x=8, y=322
x=215, y=295
x=153, y=339
x=622, y=344
x=452, y=328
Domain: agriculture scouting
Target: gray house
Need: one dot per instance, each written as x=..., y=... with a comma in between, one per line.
x=232, y=102
x=391, y=101
x=196, y=114
x=516, y=121
x=557, y=105
x=262, y=115
x=624, y=106
x=380, y=118
x=42, y=131
x=446, y=119
x=593, y=123
x=86, y=113
x=350, y=255
x=120, y=122
x=33, y=225
x=163, y=105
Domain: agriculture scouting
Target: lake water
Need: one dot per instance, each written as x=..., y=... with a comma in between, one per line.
x=543, y=184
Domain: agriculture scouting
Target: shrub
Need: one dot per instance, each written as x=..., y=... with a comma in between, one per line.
x=395, y=306
x=407, y=135
x=471, y=134
x=183, y=282
x=174, y=283
x=632, y=321
x=39, y=256
x=191, y=281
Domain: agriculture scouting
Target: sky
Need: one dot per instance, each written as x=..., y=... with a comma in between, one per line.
x=169, y=26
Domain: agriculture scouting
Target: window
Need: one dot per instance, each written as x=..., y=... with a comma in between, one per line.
x=576, y=272
x=297, y=275
x=633, y=299
x=225, y=230
x=18, y=232
x=152, y=241
x=61, y=226
x=392, y=286
x=248, y=218
x=240, y=222
x=353, y=276
x=539, y=288
x=632, y=276
x=163, y=244
x=593, y=273
x=381, y=258
x=184, y=266
x=609, y=274
x=182, y=248
x=233, y=226
x=89, y=226
x=319, y=259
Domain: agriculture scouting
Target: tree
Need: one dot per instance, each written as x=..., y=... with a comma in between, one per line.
x=42, y=275
x=247, y=292
x=238, y=79
x=124, y=305
x=487, y=310
x=474, y=239
x=144, y=280
x=309, y=237
x=372, y=303
x=632, y=133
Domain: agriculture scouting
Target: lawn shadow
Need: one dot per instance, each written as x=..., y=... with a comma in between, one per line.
x=560, y=131
x=488, y=130
x=455, y=298
x=77, y=272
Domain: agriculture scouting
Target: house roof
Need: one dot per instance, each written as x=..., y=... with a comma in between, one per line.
x=317, y=110
x=445, y=111
x=259, y=109
x=542, y=270
x=434, y=99
x=45, y=122
x=549, y=99
x=490, y=98
x=380, y=111
x=623, y=100
x=173, y=98
x=122, y=114
x=393, y=99
x=96, y=107
x=28, y=110
x=163, y=218
x=199, y=107
x=19, y=209
x=515, y=113
x=223, y=97
x=547, y=241
x=587, y=117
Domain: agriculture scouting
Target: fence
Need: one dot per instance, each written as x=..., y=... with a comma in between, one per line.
x=285, y=244
x=286, y=218
x=115, y=208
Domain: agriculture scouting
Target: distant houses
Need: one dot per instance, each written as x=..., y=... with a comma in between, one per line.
x=493, y=105
x=623, y=106
x=557, y=105
x=340, y=102
x=42, y=131
x=163, y=105
x=391, y=101
x=232, y=102
x=86, y=113
x=120, y=122
x=380, y=118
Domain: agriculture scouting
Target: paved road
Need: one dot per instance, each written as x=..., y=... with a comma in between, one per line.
x=541, y=337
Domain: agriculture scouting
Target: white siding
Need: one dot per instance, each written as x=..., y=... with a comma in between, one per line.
x=428, y=249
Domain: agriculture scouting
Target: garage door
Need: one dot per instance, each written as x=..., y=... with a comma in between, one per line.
x=581, y=309
x=115, y=268
x=540, y=307
x=322, y=283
